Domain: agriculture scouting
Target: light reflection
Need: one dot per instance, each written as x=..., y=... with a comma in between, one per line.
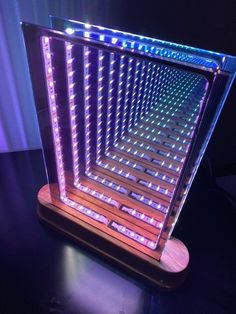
x=95, y=288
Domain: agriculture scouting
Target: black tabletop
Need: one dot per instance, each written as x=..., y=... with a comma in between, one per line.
x=44, y=272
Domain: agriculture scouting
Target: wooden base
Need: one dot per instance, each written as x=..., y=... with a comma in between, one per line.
x=167, y=273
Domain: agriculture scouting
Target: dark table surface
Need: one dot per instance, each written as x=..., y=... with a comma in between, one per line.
x=44, y=272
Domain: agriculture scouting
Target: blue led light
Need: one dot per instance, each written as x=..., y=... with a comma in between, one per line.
x=69, y=31
x=155, y=47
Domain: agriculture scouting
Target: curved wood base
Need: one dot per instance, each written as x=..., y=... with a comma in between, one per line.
x=167, y=274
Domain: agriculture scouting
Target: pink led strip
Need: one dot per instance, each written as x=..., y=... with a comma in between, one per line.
x=87, y=111
x=140, y=89
x=72, y=107
x=142, y=169
x=110, y=98
x=134, y=97
x=151, y=87
x=45, y=42
x=119, y=98
x=87, y=211
x=133, y=235
x=141, y=216
x=100, y=105
x=146, y=90
x=98, y=195
x=127, y=97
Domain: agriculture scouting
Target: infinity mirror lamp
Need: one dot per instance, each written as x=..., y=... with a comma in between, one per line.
x=124, y=122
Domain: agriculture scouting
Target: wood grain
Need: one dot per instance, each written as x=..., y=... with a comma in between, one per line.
x=166, y=270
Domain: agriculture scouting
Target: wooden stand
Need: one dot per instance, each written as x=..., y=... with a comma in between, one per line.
x=167, y=273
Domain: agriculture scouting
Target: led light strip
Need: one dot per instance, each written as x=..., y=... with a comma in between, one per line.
x=176, y=147
x=181, y=87
x=136, y=166
x=178, y=112
x=141, y=216
x=149, y=202
x=157, y=82
x=171, y=111
x=134, y=96
x=163, y=81
x=166, y=164
x=98, y=195
x=72, y=114
x=174, y=124
x=179, y=131
x=110, y=104
x=127, y=97
x=119, y=98
x=88, y=212
x=181, y=103
x=145, y=92
x=171, y=156
x=176, y=138
x=109, y=184
x=157, y=151
x=161, y=176
x=170, y=117
x=155, y=88
x=155, y=187
x=162, y=107
x=47, y=55
x=139, y=144
x=134, y=152
x=126, y=162
x=159, y=122
x=118, y=171
x=87, y=111
x=132, y=235
x=164, y=125
x=140, y=89
x=151, y=88
x=177, y=86
x=100, y=105
x=146, y=136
